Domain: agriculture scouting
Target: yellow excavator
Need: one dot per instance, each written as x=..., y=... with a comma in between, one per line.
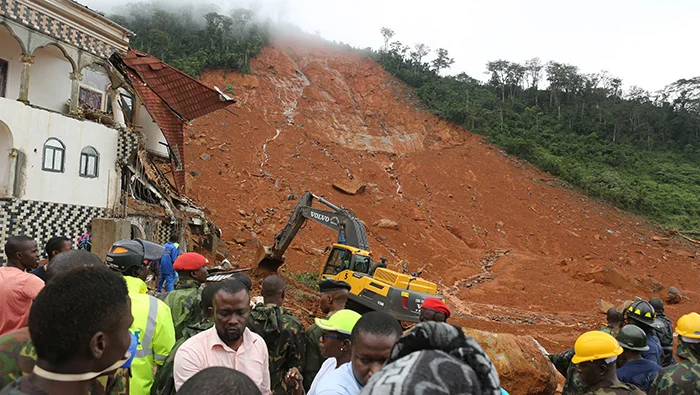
x=374, y=286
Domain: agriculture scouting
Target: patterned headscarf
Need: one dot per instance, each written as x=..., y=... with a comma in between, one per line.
x=435, y=358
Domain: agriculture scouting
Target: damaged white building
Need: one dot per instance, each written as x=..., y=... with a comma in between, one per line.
x=91, y=129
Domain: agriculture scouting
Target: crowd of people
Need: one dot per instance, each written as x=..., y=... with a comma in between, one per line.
x=78, y=325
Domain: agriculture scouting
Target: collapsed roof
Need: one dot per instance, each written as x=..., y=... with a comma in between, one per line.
x=171, y=97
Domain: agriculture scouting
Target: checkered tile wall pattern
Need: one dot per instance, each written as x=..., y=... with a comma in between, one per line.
x=128, y=143
x=28, y=16
x=43, y=220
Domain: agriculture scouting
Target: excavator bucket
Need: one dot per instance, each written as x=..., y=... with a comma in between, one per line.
x=265, y=259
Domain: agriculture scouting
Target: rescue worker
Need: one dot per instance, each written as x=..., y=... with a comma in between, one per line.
x=664, y=333
x=573, y=385
x=79, y=326
x=642, y=314
x=282, y=331
x=167, y=272
x=335, y=345
x=153, y=322
x=184, y=301
x=18, y=354
x=596, y=355
x=19, y=288
x=631, y=367
x=684, y=377
x=334, y=296
x=614, y=322
x=164, y=382
x=434, y=309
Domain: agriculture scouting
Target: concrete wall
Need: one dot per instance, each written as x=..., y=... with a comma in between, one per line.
x=31, y=127
x=105, y=231
x=11, y=52
x=49, y=82
x=6, y=145
x=151, y=133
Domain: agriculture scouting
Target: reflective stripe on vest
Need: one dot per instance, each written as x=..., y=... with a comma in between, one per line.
x=150, y=329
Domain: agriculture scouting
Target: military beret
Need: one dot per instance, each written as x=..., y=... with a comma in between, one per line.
x=437, y=305
x=190, y=261
x=333, y=285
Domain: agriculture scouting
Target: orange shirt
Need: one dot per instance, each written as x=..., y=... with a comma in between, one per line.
x=17, y=293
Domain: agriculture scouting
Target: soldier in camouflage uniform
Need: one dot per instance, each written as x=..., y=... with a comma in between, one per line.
x=664, y=333
x=184, y=301
x=562, y=361
x=282, y=331
x=614, y=319
x=683, y=378
x=334, y=295
x=573, y=385
x=89, y=298
x=595, y=354
x=164, y=384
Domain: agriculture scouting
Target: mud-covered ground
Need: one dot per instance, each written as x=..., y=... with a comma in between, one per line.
x=511, y=248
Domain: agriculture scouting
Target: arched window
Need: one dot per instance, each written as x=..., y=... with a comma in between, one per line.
x=89, y=162
x=54, y=155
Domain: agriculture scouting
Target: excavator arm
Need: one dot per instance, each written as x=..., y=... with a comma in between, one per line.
x=351, y=231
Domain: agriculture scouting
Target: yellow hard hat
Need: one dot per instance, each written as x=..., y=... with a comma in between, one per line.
x=689, y=326
x=595, y=345
x=341, y=321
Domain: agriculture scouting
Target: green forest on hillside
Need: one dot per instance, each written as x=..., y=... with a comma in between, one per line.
x=635, y=149
x=195, y=38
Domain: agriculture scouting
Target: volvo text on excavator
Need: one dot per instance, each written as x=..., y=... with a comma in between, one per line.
x=374, y=286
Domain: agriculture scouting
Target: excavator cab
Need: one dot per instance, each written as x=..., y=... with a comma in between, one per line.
x=344, y=257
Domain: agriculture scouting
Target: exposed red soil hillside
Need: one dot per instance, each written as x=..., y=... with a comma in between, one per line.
x=511, y=249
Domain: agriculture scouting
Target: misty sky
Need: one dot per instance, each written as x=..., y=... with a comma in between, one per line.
x=649, y=43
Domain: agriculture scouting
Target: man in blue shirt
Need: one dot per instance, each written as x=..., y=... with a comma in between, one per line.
x=642, y=314
x=371, y=341
x=632, y=368
x=167, y=273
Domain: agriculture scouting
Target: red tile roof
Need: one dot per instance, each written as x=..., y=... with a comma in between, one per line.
x=171, y=97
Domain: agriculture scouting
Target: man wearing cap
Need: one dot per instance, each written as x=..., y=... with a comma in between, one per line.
x=335, y=345
x=632, y=368
x=684, y=377
x=184, y=301
x=282, y=331
x=664, y=333
x=153, y=323
x=434, y=309
x=642, y=314
x=334, y=296
x=596, y=355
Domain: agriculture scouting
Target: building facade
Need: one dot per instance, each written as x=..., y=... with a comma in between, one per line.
x=77, y=141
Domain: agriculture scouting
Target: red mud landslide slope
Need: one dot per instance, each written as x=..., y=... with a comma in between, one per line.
x=511, y=249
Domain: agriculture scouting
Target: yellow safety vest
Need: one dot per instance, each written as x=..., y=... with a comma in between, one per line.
x=153, y=325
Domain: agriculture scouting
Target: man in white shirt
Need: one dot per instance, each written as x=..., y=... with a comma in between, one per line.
x=372, y=339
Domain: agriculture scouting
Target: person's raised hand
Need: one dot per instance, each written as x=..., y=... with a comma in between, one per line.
x=294, y=381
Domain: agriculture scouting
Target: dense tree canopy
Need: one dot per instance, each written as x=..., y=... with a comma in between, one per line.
x=194, y=39
x=638, y=150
